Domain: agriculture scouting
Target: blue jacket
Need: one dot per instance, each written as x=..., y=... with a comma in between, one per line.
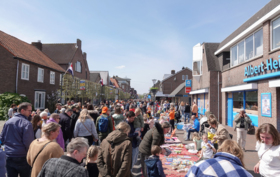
x=154, y=167
x=223, y=164
x=2, y=163
x=196, y=125
x=17, y=135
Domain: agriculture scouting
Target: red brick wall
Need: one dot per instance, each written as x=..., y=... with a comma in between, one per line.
x=79, y=57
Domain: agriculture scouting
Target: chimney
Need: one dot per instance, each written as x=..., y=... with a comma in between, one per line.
x=38, y=45
x=183, y=68
x=172, y=71
x=79, y=44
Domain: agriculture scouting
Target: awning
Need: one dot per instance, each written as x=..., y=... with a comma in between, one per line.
x=274, y=83
x=160, y=94
x=251, y=86
x=177, y=90
x=199, y=91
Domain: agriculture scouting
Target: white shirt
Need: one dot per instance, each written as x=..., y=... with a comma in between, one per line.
x=269, y=163
x=207, y=151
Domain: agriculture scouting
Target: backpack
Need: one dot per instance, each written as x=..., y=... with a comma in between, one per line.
x=103, y=124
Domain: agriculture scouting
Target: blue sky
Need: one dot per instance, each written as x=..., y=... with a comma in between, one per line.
x=138, y=39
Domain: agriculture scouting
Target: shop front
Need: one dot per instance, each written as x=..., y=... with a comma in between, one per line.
x=200, y=97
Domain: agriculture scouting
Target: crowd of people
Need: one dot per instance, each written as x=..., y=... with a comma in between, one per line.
x=107, y=139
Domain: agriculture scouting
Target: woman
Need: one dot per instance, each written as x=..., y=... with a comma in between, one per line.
x=229, y=159
x=268, y=147
x=116, y=153
x=221, y=132
x=85, y=127
x=93, y=113
x=118, y=116
x=40, y=150
x=154, y=136
x=36, y=124
x=59, y=139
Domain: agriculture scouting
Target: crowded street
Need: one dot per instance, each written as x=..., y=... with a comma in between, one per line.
x=140, y=88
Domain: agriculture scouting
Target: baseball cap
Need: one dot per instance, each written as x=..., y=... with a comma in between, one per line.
x=104, y=110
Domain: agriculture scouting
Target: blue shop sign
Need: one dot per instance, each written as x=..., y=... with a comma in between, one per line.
x=188, y=83
x=262, y=68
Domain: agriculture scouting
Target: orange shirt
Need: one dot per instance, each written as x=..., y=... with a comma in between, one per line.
x=172, y=115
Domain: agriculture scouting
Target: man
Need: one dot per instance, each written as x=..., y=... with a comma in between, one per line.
x=68, y=103
x=17, y=134
x=133, y=136
x=187, y=112
x=68, y=165
x=195, y=109
x=65, y=120
x=10, y=112
x=58, y=108
x=44, y=117
x=243, y=122
x=74, y=118
x=104, y=124
x=72, y=102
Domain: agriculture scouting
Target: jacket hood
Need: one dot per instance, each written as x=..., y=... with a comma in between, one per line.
x=229, y=157
x=116, y=137
x=151, y=162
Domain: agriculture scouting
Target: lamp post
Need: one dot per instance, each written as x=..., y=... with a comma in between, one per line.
x=154, y=93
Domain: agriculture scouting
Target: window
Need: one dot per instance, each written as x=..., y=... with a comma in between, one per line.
x=78, y=67
x=183, y=77
x=251, y=47
x=187, y=77
x=276, y=33
x=40, y=100
x=25, y=71
x=40, y=77
x=52, y=77
x=237, y=101
x=251, y=101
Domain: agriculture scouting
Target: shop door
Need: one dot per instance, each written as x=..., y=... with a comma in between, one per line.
x=230, y=112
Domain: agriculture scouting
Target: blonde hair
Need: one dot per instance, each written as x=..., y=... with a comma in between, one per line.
x=182, y=103
x=213, y=121
x=145, y=117
x=196, y=136
x=84, y=115
x=233, y=148
x=50, y=127
x=91, y=153
x=137, y=110
x=123, y=127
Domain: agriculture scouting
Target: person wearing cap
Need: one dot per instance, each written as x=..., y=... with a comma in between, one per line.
x=242, y=121
x=105, y=113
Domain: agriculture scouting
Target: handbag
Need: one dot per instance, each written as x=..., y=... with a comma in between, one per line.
x=39, y=153
x=251, y=130
x=89, y=132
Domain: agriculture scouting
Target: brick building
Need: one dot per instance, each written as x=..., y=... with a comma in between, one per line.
x=174, y=85
x=206, y=79
x=249, y=59
x=66, y=53
x=27, y=70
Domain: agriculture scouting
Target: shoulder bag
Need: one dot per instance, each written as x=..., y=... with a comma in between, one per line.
x=39, y=153
x=89, y=131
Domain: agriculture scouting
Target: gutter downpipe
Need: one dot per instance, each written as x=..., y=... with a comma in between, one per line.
x=218, y=97
x=17, y=75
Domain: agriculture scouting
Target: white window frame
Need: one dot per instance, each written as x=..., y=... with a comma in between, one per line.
x=26, y=71
x=271, y=37
x=231, y=62
x=187, y=77
x=183, y=77
x=40, y=105
x=52, y=77
x=78, y=68
x=38, y=75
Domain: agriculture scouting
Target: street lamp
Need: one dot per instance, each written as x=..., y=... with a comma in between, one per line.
x=154, y=92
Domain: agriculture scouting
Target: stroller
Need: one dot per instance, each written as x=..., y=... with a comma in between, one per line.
x=203, y=125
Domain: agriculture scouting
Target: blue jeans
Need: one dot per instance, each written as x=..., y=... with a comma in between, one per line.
x=17, y=166
x=187, y=115
x=189, y=132
x=135, y=152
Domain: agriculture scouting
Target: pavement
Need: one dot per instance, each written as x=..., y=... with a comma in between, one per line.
x=250, y=156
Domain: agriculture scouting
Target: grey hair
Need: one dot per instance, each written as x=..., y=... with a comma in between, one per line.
x=43, y=114
x=68, y=110
x=77, y=144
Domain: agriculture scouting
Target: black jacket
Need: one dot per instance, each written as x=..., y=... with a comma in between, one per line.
x=94, y=114
x=187, y=109
x=74, y=119
x=65, y=121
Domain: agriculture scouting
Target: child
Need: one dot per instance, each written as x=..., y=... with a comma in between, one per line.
x=153, y=163
x=207, y=149
x=146, y=126
x=91, y=165
x=197, y=141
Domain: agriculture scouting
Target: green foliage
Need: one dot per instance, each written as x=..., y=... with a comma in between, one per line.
x=6, y=99
x=154, y=88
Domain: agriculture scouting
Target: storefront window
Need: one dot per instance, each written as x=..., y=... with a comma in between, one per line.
x=258, y=42
x=252, y=102
x=237, y=101
x=276, y=33
x=241, y=52
x=234, y=60
x=249, y=47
